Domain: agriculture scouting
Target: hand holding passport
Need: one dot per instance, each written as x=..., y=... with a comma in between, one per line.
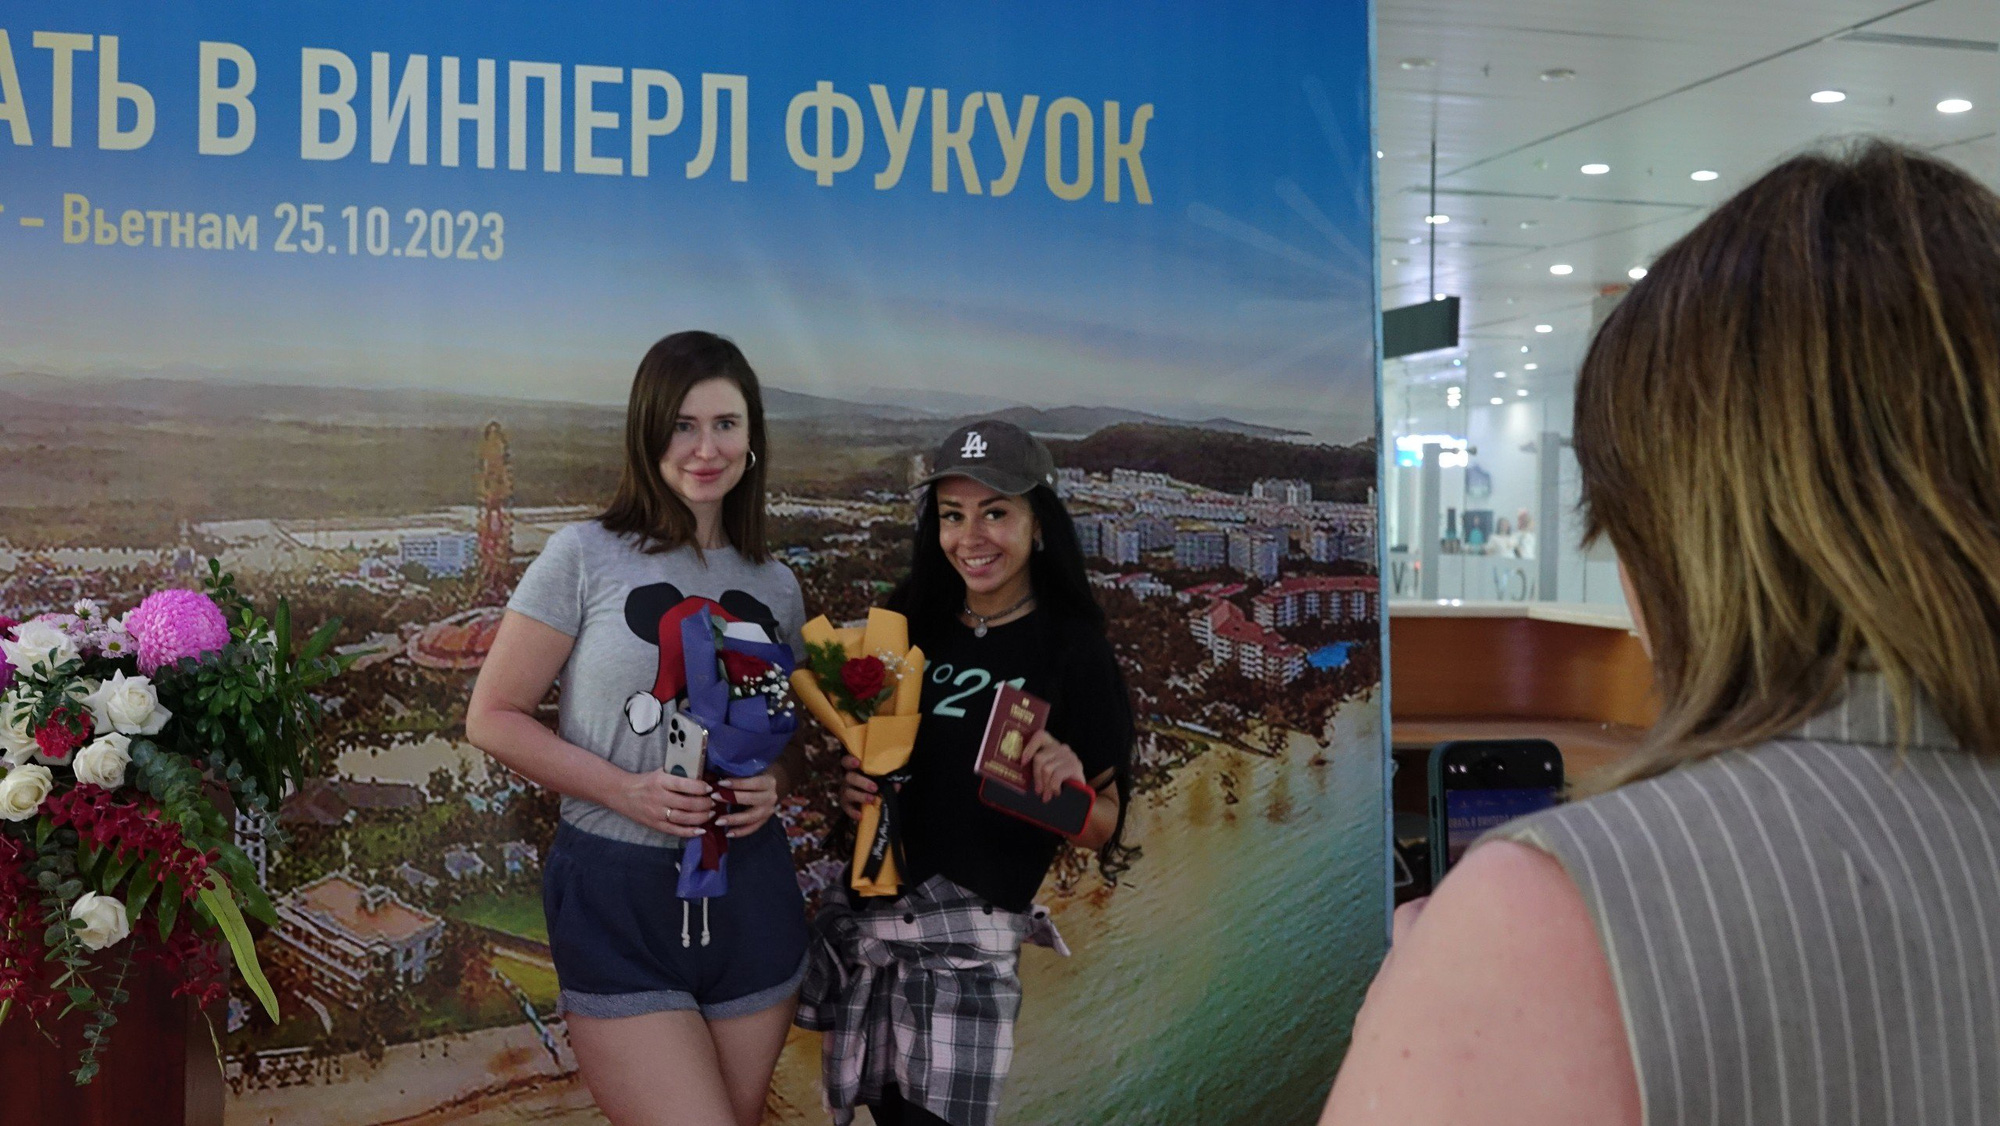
x=1006, y=781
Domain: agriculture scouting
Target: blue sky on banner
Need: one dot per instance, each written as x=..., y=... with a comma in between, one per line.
x=1244, y=287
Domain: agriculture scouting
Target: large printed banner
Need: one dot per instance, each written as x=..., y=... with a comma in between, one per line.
x=349, y=296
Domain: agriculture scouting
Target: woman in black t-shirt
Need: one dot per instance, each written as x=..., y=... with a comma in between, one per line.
x=996, y=594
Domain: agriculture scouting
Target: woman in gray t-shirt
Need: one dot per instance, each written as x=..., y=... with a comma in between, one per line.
x=677, y=1008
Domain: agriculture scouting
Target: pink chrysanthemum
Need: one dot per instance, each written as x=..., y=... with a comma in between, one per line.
x=172, y=624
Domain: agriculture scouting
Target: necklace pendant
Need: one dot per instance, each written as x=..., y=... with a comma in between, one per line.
x=979, y=630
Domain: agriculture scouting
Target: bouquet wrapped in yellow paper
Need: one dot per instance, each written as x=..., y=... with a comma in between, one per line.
x=864, y=685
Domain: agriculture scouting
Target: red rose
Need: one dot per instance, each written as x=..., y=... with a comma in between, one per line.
x=863, y=677
x=743, y=668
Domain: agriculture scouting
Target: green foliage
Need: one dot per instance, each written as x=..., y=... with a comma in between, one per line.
x=250, y=708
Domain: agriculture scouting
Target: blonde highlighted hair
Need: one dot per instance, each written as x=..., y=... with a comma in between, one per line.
x=1790, y=433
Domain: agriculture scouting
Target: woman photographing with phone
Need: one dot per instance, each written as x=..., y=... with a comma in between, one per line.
x=677, y=1009
x=917, y=993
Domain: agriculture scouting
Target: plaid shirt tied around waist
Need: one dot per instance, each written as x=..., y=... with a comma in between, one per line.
x=921, y=993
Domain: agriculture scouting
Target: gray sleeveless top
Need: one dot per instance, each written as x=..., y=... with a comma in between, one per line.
x=1805, y=931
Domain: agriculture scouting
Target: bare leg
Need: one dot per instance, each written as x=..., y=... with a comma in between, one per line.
x=659, y=1069
x=747, y=1050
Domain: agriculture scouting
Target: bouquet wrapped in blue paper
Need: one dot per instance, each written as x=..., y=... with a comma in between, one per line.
x=739, y=689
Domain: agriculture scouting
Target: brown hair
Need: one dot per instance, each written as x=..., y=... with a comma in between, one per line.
x=1790, y=432
x=644, y=506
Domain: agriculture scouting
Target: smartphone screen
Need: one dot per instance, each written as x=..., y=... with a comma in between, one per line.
x=1478, y=785
x=1469, y=813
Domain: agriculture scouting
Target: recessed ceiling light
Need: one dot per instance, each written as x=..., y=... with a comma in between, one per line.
x=1954, y=105
x=1418, y=241
x=1437, y=220
x=1524, y=347
x=1558, y=74
x=1378, y=154
x=1562, y=269
x=1458, y=363
x=1437, y=296
x=1497, y=400
x=1828, y=97
x=1704, y=175
x=1545, y=328
x=1595, y=169
x=1531, y=367
x=1399, y=261
x=1523, y=392
x=1636, y=272
x=1499, y=375
x=1526, y=223
x=1417, y=64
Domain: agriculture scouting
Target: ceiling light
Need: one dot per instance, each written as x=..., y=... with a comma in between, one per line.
x=1524, y=347
x=1595, y=169
x=1828, y=97
x=1437, y=296
x=1414, y=241
x=1417, y=64
x=1437, y=220
x=1399, y=261
x=1497, y=400
x=1499, y=375
x=1558, y=74
x=1954, y=105
x=1526, y=223
x=1530, y=367
x=1636, y=272
x=1545, y=328
x=1378, y=154
x=1704, y=175
x=1562, y=269
x=1523, y=392
x=1458, y=363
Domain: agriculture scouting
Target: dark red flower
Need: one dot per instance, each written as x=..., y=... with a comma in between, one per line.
x=65, y=731
x=863, y=677
x=742, y=667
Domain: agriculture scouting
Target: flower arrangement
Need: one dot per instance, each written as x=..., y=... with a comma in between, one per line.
x=738, y=688
x=117, y=737
x=863, y=685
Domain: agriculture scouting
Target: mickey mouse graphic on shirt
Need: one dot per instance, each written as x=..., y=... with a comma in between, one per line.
x=654, y=614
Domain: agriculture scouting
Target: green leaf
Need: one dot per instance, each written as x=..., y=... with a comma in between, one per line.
x=141, y=890
x=321, y=640
x=283, y=628
x=79, y=994
x=222, y=906
x=170, y=904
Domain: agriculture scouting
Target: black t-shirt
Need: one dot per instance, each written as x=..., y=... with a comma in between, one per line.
x=946, y=828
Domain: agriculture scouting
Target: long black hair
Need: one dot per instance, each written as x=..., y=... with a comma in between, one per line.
x=933, y=594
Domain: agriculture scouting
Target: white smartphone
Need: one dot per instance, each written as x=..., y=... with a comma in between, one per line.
x=687, y=745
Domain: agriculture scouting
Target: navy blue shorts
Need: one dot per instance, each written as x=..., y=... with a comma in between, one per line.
x=624, y=944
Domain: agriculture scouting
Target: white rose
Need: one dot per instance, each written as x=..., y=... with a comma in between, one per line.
x=104, y=922
x=22, y=789
x=17, y=743
x=38, y=647
x=103, y=762
x=129, y=704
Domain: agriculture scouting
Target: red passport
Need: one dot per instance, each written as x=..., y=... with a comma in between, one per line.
x=1015, y=719
x=1003, y=782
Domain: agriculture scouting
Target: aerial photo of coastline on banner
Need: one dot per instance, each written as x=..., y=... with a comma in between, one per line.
x=350, y=300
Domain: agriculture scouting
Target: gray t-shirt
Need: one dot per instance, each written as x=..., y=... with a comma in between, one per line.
x=600, y=589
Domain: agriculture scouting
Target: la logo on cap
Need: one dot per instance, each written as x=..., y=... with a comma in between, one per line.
x=975, y=446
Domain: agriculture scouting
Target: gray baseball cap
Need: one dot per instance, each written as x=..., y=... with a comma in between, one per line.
x=999, y=455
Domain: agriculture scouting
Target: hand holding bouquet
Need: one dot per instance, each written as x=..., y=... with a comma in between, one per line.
x=864, y=685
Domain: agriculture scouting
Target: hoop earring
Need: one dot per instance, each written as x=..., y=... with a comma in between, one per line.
x=1038, y=543
x=753, y=459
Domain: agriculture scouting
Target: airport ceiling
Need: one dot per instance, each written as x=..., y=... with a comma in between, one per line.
x=1670, y=105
